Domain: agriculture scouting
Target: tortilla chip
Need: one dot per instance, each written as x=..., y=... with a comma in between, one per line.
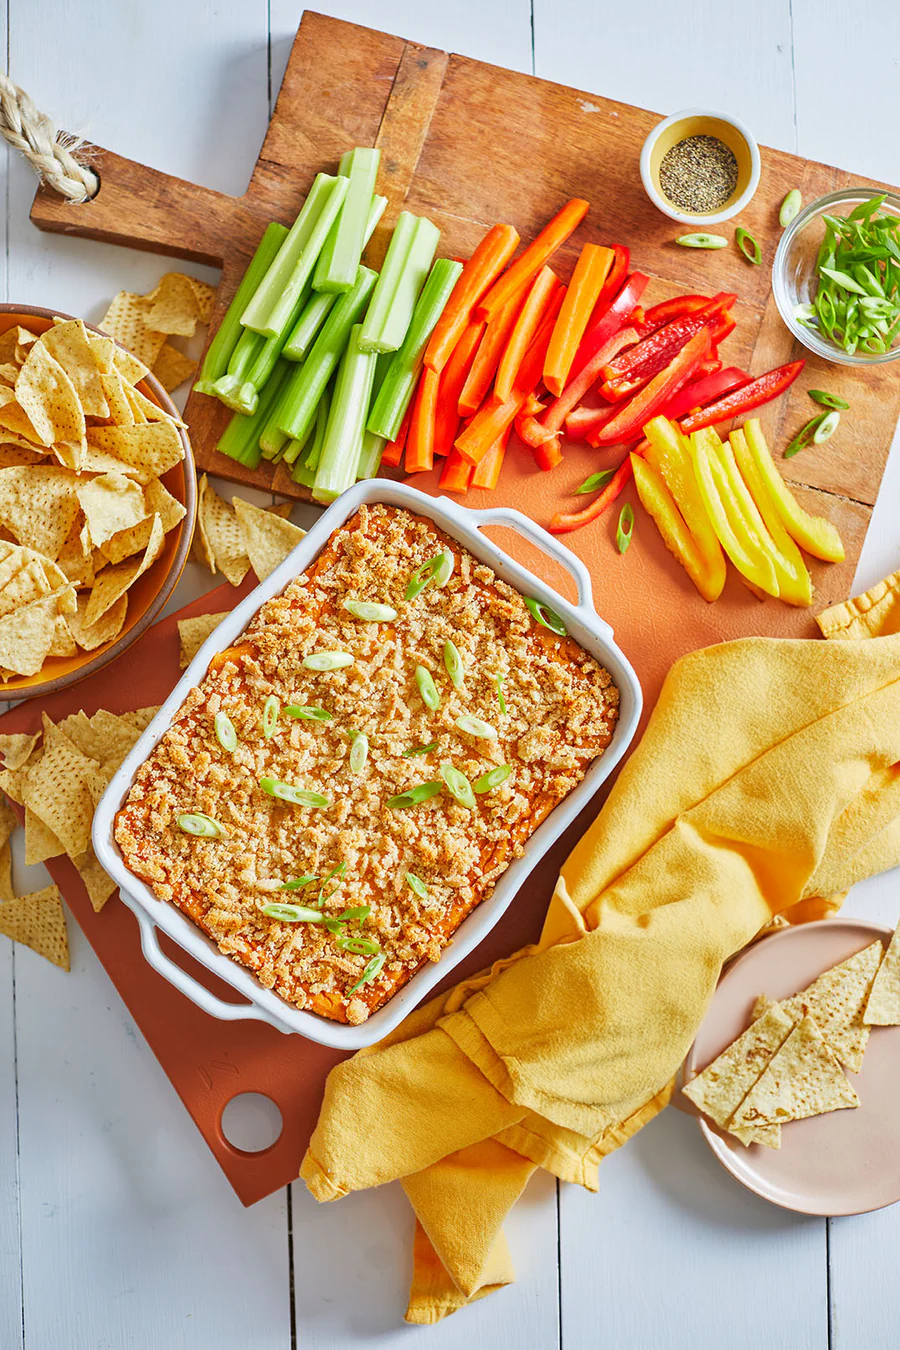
x=113, y=582
x=59, y=789
x=145, y=410
x=98, y=884
x=76, y=562
x=107, y=627
x=150, y=449
x=837, y=1000
x=723, y=1085
x=27, y=584
x=115, y=389
x=49, y=399
x=129, y=367
x=16, y=748
x=6, y=882
x=15, y=421
x=268, y=538
x=883, y=1007
x=172, y=367
x=111, y=503
x=105, y=737
x=802, y=1079
x=8, y=820
x=63, y=643
x=158, y=501
x=38, y=921
x=141, y=717
x=103, y=350
x=178, y=303
x=126, y=321
x=38, y=505
x=26, y=635
x=68, y=343
x=12, y=454
x=14, y=338
x=221, y=534
x=40, y=841
x=192, y=633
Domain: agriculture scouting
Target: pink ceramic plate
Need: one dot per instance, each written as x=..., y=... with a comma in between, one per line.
x=846, y=1162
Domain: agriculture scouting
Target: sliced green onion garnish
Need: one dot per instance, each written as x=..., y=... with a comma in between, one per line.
x=805, y=314
x=804, y=435
x=286, y=792
x=500, y=699
x=359, y=946
x=225, y=732
x=748, y=245
x=790, y=207
x=372, y=613
x=419, y=750
x=458, y=784
x=625, y=527
x=437, y=571
x=828, y=400
x=271, y=709
x=292, y=913
x=327, y=661
x=416, y=884
x=427, y=688
x=326, y=891
x=370, y=972
x=359, y=752
x=493, y=778
x=595, y=481
x=301, y=713
x=454, y=663
x=702, y=241
x=545, y=615
x=204, y=827
x=826, y=428
x=298, y=883
x=475, y=726
x=413, y=796
x=358, y=914
x=333, y=925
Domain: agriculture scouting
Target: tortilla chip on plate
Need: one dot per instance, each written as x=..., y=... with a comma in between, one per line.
x=883, y=1007
x=38, y=505
x=802, y=1079
x=150, y=449
x=158, y=501
x=192, y=633
x=27, y=634
x=723, y=1085
x=49, y=399
x=68, y=343
x=113, y=582
x=39, y=922
x=837, y=1000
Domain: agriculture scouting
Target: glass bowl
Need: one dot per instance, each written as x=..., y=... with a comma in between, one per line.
x=794, y=270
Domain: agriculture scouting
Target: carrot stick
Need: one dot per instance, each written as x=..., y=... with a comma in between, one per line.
x=456, y=474
x=420, y=441
x=484, y=266
x=487, y=472
x=529, y=263
x=487, y=357
x=522, y=335
x=393, y=451
x=453, y=379
x=495, y=417
x=590, y=273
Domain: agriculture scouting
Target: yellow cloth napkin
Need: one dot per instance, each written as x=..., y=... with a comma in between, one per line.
x=767, y=782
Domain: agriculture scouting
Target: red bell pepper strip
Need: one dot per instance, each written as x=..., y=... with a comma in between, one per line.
x=761, y=390
x=537, y=430
x=628, y=423
x=664, y=313
x=615, y=317
x=563, y=523
x=630, y=369
x=583, y=421
x=703, y=391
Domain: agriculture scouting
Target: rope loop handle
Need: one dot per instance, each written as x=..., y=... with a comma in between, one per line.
x=51, y=154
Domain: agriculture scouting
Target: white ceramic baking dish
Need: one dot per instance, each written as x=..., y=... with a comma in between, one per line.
x=584, y=624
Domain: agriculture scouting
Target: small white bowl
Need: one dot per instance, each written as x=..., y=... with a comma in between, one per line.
x=700, y=122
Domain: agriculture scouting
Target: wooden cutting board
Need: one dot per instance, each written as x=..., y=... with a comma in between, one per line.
x=469, y=144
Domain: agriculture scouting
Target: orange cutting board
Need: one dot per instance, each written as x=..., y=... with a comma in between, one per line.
x=467, y=144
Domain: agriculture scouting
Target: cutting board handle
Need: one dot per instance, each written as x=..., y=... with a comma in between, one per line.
x=142, y=208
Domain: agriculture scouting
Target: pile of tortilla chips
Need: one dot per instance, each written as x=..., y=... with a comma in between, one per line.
x=232, y=539
x=144, y=324
x=789, y=1063
x=59, y=775
x=83, y=510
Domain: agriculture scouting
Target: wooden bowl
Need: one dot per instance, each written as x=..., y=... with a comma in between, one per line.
x=151, y=591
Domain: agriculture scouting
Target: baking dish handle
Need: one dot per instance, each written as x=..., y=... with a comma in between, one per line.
x=515, y=520
x=191, y=988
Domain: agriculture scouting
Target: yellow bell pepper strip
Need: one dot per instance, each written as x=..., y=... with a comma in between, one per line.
x=813, y=533
x=794, y=581
x=657, y=501
x=728, y=522
x=669, y=454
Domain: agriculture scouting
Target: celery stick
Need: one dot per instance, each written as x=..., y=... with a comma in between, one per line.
x=227, y=387
x=240, y=439
x=346, y=421
x=400, y=381
x=340, y=257
x=321, y=425
x=302, y=473
x=283, y=308
x=370, y=456
x=409, y=286
x=218, y=353
x=305, y=388
x=304, y=332
x=326, y=192
x=389, y=276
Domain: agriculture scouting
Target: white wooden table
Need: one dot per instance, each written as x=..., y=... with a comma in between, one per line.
x=116, y=1227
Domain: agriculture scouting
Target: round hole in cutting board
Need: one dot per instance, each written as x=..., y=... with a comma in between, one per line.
x=251, y=1122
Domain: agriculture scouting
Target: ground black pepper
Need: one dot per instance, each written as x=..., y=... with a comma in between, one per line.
x=699, y=174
